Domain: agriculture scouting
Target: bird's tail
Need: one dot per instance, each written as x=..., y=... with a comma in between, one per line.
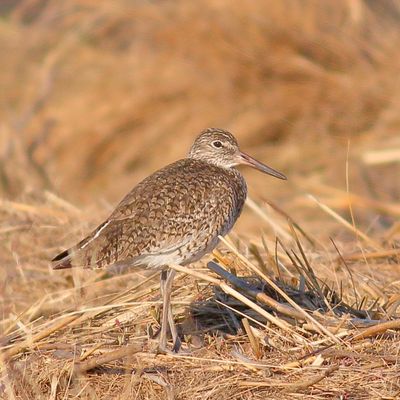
x=62, y=260
x=83, y=254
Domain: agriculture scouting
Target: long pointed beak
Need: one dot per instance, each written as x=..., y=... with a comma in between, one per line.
x=247, y=160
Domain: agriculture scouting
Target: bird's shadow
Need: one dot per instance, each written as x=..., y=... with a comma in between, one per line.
x=218, y=315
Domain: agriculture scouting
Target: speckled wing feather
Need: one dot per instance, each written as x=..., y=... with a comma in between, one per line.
x=173, y=216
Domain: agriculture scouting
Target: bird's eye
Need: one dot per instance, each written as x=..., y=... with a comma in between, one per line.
x=217, y=144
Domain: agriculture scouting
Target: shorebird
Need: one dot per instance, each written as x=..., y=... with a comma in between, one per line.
x=174, y=216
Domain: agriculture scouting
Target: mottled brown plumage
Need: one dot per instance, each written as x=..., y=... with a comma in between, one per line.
x=175, y=215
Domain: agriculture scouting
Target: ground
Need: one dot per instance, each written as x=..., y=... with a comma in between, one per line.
x=91, y=334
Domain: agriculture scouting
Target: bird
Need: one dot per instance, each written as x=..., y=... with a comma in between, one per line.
x=175, y=216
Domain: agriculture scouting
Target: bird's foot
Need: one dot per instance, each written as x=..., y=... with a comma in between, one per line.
x=176, y=348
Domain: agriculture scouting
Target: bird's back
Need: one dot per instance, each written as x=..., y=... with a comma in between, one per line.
x=173, y=216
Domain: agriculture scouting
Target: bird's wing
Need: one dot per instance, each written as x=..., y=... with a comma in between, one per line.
x=173, y=207
x=115, y=241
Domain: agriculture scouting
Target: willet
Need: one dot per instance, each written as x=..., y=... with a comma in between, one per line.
x=174, y=216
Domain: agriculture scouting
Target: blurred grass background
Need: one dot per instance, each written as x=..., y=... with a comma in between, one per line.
x=95, y=95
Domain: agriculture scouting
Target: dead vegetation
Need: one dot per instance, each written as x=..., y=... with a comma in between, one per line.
x=122, y=87
x=286, y=318
x=302, y=300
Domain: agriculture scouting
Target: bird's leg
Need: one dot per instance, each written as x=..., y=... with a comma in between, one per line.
x=174, y=332
x=163, y=278
x=172, y=327
x=167, y=278
x=164, y=312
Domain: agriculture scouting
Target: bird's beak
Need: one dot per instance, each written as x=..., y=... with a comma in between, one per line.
x=247, y=160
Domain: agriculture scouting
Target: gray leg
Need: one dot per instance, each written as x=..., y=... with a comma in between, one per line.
x=163, y=333
x=163, y=280
x=167, y=278
x=174, y=332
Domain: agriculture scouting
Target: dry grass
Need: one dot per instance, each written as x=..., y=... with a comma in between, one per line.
x=95, y=95
x=122, y=87
x=306, y=320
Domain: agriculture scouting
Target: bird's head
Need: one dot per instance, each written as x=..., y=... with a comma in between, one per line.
x=220, y=147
